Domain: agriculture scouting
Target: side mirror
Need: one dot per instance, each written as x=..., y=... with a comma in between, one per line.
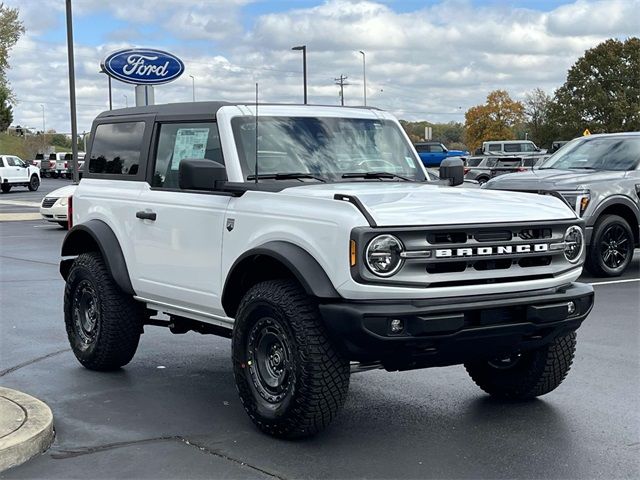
x=199, y=174
x=452, y=169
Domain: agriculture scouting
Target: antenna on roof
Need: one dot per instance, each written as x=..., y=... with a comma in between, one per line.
x=256, y=167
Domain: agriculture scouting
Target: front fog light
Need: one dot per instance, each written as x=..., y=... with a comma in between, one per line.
x=571, y=308
x=383, y=255
x=396, y=325
x=573, y=244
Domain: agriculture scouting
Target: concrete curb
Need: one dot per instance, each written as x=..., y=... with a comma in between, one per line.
x=26, y=427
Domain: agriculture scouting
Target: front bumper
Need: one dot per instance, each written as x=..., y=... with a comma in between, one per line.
x=448, y=331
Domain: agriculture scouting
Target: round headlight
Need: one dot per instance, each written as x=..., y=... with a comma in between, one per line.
x=383, y=255
x=573, y=244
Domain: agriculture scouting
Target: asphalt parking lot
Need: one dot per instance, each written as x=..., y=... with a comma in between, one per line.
x=173, y=412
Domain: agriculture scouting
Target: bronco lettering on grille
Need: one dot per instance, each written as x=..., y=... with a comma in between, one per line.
x=496, y=250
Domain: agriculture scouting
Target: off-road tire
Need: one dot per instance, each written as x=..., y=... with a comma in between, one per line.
x=119, y=316
x=34, y=183
x=319, y=375
x=595, y=262
x=535, y=373
x=6, y=187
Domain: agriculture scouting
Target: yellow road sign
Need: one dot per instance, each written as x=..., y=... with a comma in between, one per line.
x=586, y=132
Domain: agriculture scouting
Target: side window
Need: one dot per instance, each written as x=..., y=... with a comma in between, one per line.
x=422, y=148
x=178, y=141
x=495, y=147
x=116, y=148
x=512, y=147
x=528, y=147
x=3, y=162
x=436, y=148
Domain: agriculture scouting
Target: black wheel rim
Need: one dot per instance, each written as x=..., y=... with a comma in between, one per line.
x=86, y=314
x=34, y=182
x=615, y=246
x=505, y=363
x=270, y=360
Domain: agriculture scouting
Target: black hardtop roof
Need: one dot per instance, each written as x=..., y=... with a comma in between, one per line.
x=199, y=108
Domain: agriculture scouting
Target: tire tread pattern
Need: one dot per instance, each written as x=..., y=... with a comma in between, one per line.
x=120, y=317
x=322, y=379
x=544, y=370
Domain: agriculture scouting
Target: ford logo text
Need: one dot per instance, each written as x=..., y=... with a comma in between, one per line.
x=143, y=66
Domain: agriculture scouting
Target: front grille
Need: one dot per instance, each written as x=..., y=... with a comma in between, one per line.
x=476, y=254
x=48, y=202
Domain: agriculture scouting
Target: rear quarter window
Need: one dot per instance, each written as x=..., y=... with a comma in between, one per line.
x=117, y=148
x=513, y=147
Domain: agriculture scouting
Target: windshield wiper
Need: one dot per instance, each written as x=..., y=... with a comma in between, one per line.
x=285, y=176
x=582, y=168
x=379, y=175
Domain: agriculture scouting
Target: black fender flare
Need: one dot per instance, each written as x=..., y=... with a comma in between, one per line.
x=304, y=267
x=84, y=238
x=615, y=200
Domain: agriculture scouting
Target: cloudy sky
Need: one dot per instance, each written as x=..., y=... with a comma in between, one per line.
x=428, y=59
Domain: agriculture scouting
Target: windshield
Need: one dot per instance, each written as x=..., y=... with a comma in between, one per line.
x=600, y=153
x=324, y=147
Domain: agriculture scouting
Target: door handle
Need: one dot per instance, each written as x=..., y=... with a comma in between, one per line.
x=146, y=215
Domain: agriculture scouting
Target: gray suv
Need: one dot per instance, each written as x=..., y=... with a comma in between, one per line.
x=599, y=176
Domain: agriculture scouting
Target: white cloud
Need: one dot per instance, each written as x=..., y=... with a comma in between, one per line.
x=423, y=64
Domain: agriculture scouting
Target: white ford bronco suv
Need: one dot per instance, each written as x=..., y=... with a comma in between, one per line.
x=314, y=238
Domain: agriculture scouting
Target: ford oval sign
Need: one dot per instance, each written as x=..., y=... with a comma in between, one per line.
x=143, y=66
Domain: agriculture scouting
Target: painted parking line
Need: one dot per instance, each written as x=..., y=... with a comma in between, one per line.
x=611, y=282
x=20, y=203
x=17, y=217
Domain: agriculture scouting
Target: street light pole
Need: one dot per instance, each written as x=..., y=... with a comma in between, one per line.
x=44, y=131
x=72, y=92
x=102, y=70
x=304, y=68
x=193, y=87
x=364, y=76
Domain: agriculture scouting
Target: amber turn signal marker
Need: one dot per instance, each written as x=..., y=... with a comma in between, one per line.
x=584, y=202
x=352, y=252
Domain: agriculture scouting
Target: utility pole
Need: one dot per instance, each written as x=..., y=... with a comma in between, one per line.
x=72, y=93
x=341, y=81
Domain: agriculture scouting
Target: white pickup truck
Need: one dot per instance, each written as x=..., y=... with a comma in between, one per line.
x=14, y=172
x=315, y=239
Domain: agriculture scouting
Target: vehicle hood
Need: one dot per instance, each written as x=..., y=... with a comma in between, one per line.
x=456, y=153
x=552, y=179
x=403, y=203
x=62, y=192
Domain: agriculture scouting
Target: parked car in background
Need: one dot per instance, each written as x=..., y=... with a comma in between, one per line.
x=483, y=168
x=556, y=145
x=14, y=172
x=64, y=163
x=511, y=147
x=54, y=206
x=599, y=176
x=432, y=153
x=46, y=165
